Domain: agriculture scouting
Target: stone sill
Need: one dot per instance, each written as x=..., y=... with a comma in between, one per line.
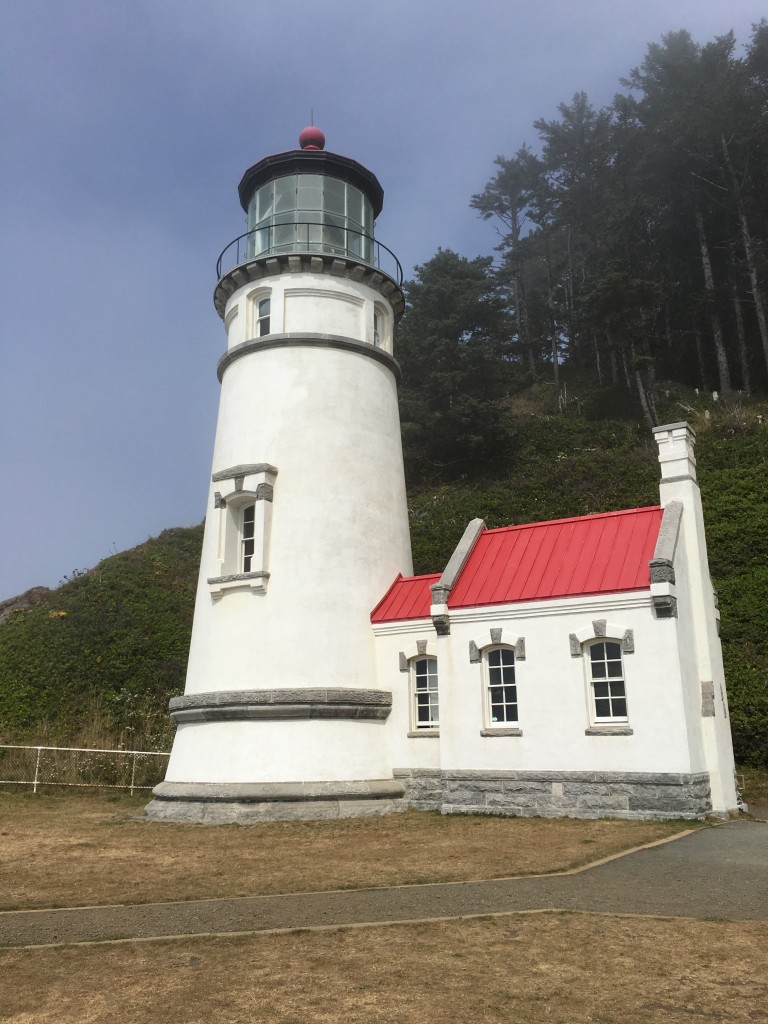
x=255, y=581
x=424, y=734
x=501, y=732
x=609, y=730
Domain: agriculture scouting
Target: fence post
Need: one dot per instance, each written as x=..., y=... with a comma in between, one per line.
x=37, y=769
x=133, y=772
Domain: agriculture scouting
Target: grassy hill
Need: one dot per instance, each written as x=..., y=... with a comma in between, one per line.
x=96, y=660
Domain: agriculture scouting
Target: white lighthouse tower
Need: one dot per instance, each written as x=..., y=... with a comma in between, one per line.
x=306, y=523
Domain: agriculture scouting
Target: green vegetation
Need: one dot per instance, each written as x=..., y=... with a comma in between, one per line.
x=96, y=660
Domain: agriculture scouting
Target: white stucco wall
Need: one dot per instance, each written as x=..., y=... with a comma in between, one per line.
x=309, y=303
x=552, y=692
x=288, y=751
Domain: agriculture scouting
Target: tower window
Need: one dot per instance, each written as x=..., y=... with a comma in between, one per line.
x=247, y=536
x=263, y=317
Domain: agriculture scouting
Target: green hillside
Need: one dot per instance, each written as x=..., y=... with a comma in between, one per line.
x=97, y=659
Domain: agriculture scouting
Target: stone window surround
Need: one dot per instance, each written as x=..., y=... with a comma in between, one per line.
x=478, y=648
x=248, y=484
x=580, y=641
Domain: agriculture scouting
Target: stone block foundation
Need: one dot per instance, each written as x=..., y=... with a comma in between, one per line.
x=552, y=794
x=244, y=803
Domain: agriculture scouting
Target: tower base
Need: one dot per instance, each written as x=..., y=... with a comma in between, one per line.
x=247, y=803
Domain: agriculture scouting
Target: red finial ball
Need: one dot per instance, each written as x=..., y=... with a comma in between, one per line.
x=312, y=138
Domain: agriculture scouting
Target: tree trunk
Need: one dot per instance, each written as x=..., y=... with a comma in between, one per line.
x=717, y=330
x=749, y=254
x=743, y=355
x=552, y=327
x=703, y=375
x=597, y=360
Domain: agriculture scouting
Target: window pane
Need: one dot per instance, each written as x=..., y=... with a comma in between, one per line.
x=617, y=688
x=613, y=651
x=598, y=670
x=334, y=195
x=355, y=206
x=494, y=657
x=264, y=201
x=614, y=669
x=601, y=689
x=602, y=709
x=285, y=193
x=597, y=652
x=620, y=708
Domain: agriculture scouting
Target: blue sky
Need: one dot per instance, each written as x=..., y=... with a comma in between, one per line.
x=126, y=129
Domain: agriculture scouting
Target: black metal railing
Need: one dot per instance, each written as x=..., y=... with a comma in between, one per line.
x=309, y=237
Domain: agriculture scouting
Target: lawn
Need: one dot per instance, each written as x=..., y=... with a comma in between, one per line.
x=553, y=967
x=83, y=850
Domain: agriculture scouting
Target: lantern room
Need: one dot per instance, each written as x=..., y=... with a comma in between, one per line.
x=310, y=201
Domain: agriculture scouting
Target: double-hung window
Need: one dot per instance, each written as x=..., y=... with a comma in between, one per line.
x=605, y=671
x=424, y=694
x=501, y=687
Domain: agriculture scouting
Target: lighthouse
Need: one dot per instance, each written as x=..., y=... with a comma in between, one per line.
x=306, y=523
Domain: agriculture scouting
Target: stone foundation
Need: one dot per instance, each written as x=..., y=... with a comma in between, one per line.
x=245, y=803
x=559, y=794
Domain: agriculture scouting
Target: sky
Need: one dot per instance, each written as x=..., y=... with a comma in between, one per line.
x=126, y=128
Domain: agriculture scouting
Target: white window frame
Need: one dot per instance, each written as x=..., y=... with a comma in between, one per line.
x=592, y=679
x=430, y=673
x=254, y=320
x=507, y=652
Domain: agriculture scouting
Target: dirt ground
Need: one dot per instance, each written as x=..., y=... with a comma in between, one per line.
x=553, y=967
x=82, y=850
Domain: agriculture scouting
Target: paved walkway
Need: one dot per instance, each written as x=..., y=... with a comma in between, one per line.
x=712, y=873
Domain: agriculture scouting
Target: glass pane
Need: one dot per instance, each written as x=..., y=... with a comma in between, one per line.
x=617, y=689
x=355, y=205
x=613, y=651
x=620, y=708
x=614, y=669
x=601, y=689
x=264, y=201
x=284, y=235
x=602, y=709
x=507, y=656
x=597, y=652
x=512, y=713
x=285, y=193
x=598, y=670
x=510, y=694
x=494, y=657
x=334, y=196
x=309, y=199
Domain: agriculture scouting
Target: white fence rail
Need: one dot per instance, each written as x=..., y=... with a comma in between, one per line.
x=81, y=766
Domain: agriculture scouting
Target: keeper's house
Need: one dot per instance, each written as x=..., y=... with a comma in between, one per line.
x=565, y=668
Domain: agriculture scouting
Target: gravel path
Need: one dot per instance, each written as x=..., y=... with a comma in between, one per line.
x=712, y=873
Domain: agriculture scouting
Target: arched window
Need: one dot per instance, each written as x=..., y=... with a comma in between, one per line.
x=500, y=686
x=606, y=682
x=425, y=706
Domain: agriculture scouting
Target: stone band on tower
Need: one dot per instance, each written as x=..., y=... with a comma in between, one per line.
x=306, y=522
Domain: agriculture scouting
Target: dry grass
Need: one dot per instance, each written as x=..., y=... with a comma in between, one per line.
x=559, y=968
x=89, y=850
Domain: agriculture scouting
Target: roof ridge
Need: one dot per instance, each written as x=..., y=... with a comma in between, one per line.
x=573, y=519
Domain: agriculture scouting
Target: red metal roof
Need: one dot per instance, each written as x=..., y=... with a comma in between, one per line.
x=409, y=597
x=600, y=554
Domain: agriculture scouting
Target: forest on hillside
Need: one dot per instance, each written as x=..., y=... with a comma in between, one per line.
x=632, y=250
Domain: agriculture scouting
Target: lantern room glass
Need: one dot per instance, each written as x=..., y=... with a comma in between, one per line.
x=310, y=213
